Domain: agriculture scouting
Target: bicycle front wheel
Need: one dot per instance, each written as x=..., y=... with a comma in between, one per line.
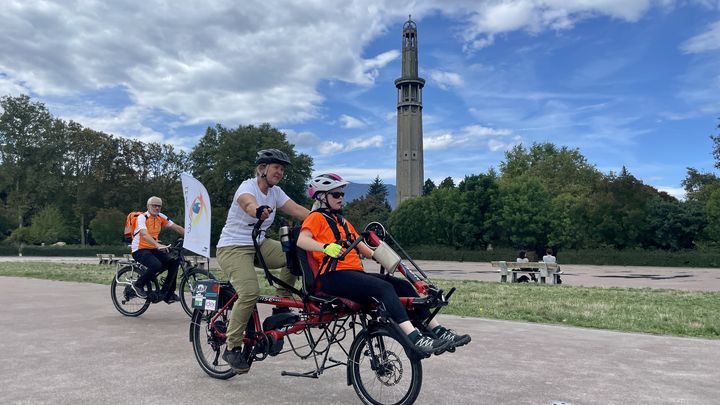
x=208, y=344
x=188, y=284
x=381, y=371
x=123, y=295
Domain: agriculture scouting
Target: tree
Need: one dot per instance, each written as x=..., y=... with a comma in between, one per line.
x=21, y=237
x=524, y=213
x=674, y=224
x=559, y=170
x=618, y=210
x=447, y=183
x=377, y=188
x=698, y=185
x=107, y=226
x=224, y=158
x=712, y=210
x=428, y=187
x=405, y=224
x=478, y=199
x=370, y=208
x=24, y=155
x=48, y=226
x=716, y=148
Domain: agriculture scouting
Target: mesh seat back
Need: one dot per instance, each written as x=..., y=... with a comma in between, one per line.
x=308, y=265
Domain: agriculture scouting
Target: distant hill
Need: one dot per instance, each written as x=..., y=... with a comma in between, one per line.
x=354, y=191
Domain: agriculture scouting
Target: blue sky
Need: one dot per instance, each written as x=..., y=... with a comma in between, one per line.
x=627, y=82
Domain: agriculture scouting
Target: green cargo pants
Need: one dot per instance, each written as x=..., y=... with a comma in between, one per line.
x=238, y=264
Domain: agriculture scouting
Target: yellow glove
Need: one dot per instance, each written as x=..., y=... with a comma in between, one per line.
x=332, y=249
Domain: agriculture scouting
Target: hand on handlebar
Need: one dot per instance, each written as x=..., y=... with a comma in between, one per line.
x=163, y=248
x=263, y=212
x=332, y=249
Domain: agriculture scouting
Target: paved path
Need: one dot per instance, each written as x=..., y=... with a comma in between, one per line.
x=64, y=343
x=698, y=279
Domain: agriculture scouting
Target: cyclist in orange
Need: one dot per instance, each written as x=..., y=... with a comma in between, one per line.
x=148, y=251
x=320, y=234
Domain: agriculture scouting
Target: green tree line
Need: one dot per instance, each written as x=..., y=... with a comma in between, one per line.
x=60, y=181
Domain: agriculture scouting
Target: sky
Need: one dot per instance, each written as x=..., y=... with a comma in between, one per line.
x=632, y=83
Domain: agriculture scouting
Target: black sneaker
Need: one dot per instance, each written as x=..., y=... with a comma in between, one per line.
x=428, y=345
x=139, y=291
x=170, y=298
x=454, y=339
x=236, y=360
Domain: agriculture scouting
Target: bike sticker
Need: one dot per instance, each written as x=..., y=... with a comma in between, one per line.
x=210, y=305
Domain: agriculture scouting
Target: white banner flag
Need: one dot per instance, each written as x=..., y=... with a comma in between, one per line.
x=197, y=216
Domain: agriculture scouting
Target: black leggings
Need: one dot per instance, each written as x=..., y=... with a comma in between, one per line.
x=157, y=261
x=359, y=286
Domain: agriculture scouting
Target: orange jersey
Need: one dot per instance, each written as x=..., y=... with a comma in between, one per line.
x=153, y=225
x=321, y=232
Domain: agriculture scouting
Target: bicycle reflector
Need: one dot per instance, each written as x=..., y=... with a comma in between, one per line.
x=206, y=295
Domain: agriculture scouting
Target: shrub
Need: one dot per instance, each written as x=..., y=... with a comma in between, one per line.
x=107, y=226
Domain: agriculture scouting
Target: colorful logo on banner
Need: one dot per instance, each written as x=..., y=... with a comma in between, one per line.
x=198, y=209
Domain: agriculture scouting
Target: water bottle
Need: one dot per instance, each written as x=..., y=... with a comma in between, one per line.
x=285, y=236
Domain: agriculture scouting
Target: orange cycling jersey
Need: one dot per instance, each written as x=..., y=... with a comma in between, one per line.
x=321, y=232
x=153, y=225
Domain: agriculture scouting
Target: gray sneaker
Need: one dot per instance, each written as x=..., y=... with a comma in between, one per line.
x=428, y=345
x=236, y=360
x=454, y=339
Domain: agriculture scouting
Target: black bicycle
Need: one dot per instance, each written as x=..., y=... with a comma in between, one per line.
x=129, y=304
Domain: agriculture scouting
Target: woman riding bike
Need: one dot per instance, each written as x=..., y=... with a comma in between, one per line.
x=325, y=230
x=255, y=199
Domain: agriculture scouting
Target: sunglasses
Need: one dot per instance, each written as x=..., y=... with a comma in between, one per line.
x=337, y=194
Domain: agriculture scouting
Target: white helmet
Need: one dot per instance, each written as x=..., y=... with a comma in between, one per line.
x=325, y=182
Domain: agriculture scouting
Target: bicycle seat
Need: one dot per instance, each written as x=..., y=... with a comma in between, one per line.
x=309, y=268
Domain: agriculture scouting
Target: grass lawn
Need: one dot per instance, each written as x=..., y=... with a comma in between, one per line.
x=663, y=312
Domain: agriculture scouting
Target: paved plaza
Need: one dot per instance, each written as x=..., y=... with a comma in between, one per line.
x=64, y=343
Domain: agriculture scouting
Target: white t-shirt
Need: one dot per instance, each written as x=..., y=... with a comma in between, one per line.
x=522, y=260
x=549, y=259
x=238, y=227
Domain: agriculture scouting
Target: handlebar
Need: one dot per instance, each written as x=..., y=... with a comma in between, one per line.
x=353, y=245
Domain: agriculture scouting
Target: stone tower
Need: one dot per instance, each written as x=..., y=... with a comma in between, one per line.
x=409, y=169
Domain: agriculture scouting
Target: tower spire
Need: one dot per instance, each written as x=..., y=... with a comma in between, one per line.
x=409, y=163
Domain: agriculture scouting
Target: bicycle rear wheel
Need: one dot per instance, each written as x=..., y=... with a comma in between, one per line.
x=123, y=295
x=188, y=285
x=208, y=346
x=381, y=371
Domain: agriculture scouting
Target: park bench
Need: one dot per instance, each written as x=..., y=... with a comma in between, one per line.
x=107, y=258
x=544, y=270
x=197, y=261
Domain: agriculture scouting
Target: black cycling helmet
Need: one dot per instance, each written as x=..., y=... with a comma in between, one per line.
x=268, y=156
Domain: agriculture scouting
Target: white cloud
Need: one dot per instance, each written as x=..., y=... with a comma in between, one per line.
x=445, y=80
x=438, y=142
x=126, y=122
x=351, y=122
x=303, y=139
x=481, y=131
x=677, y=192
x=707, y=41
x=332, y=147
x=214, y=62
x=488, y=19
x=467, y=137
x=374, y=141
